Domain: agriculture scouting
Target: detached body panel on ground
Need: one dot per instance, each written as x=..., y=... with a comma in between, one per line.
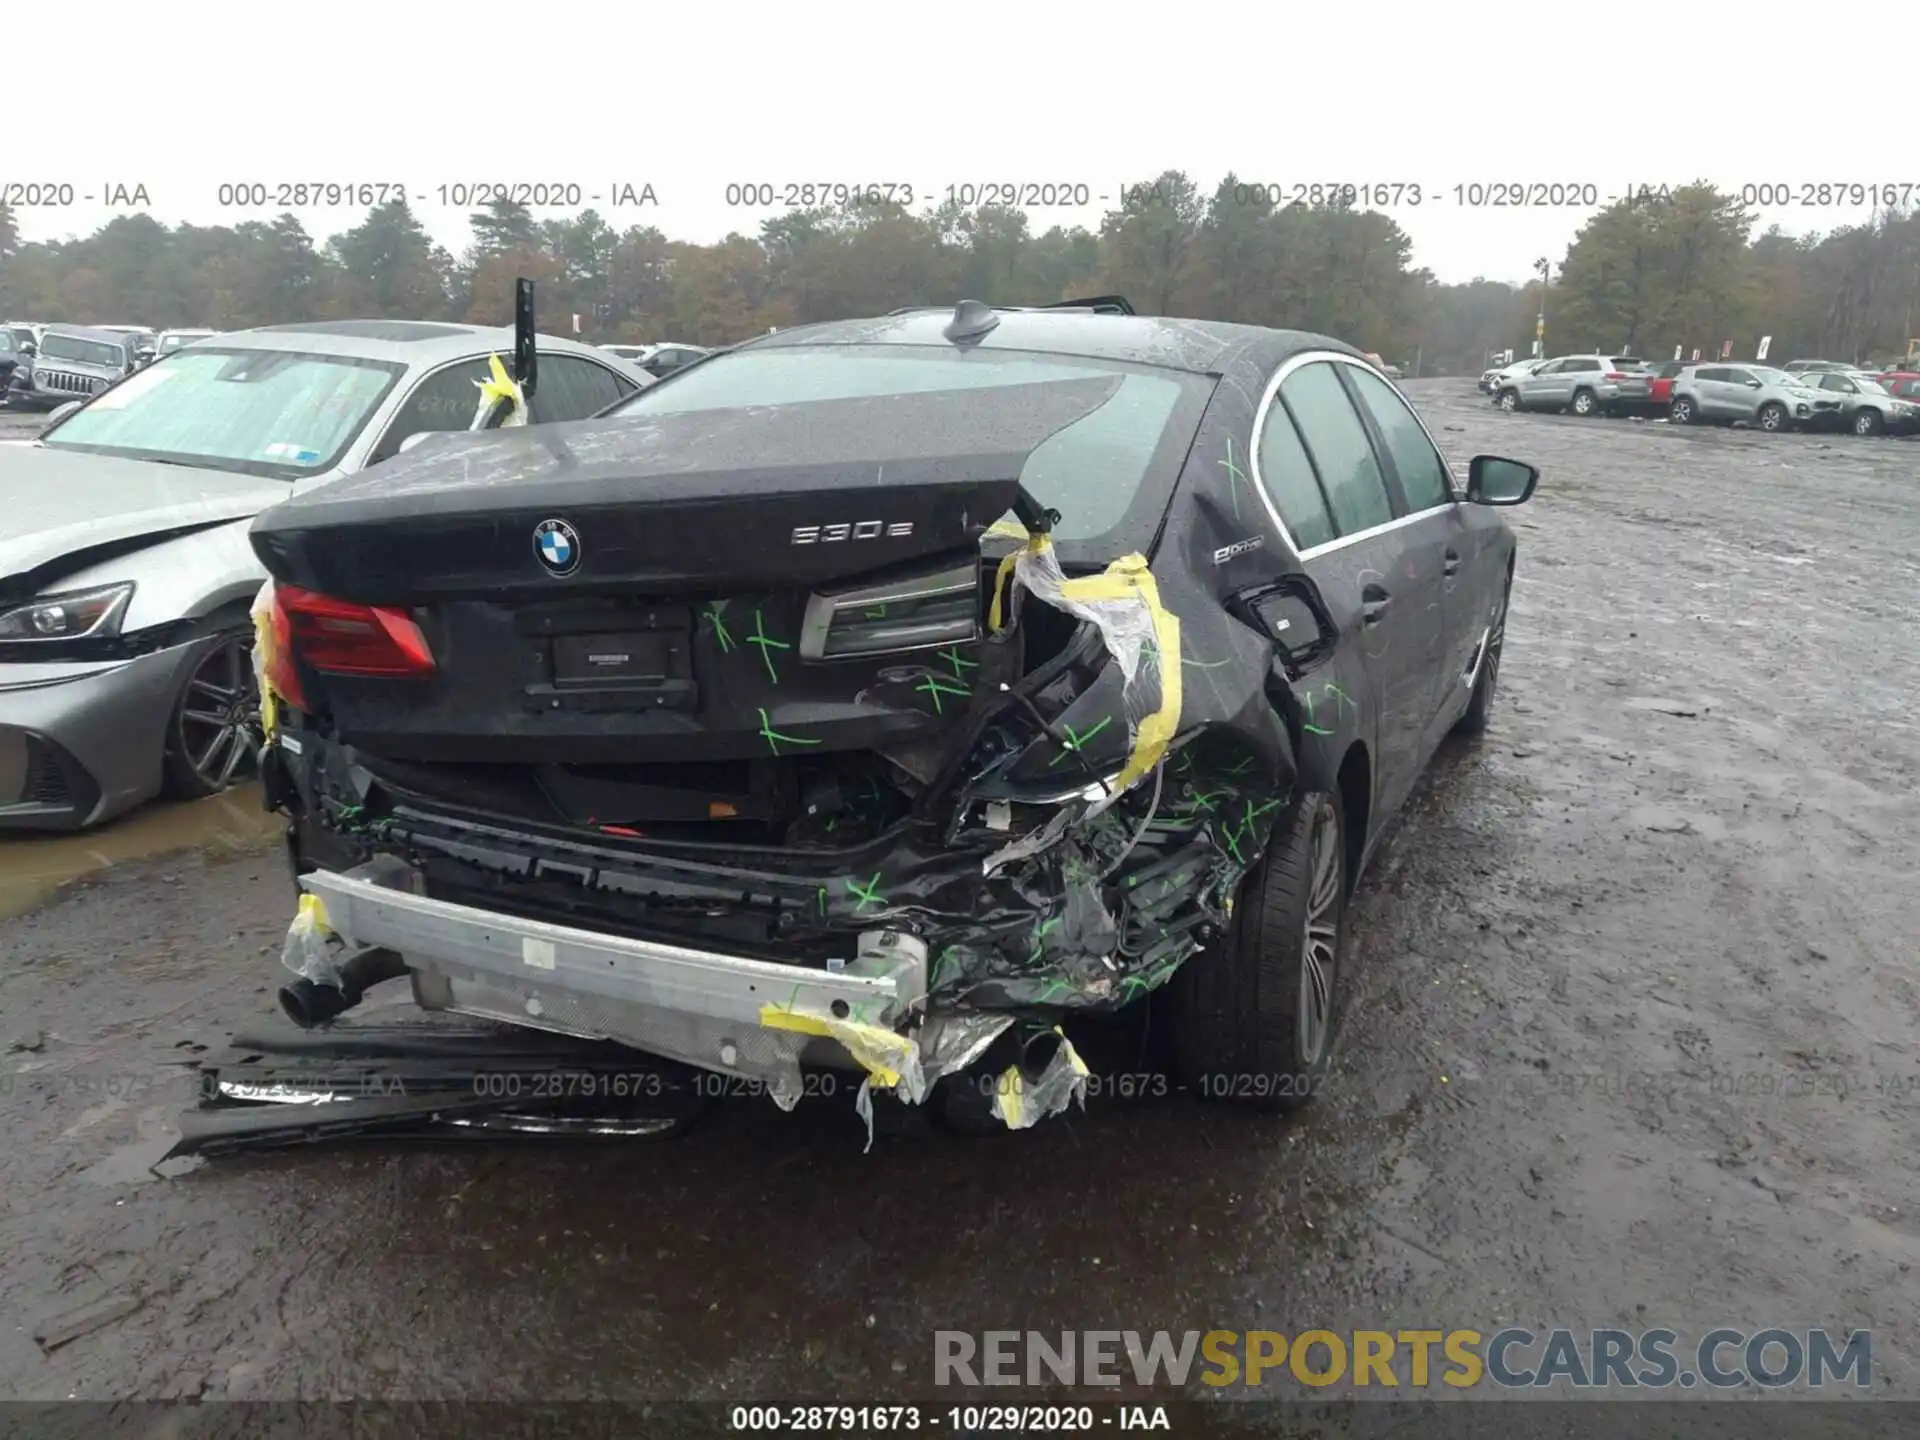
x=880, y=692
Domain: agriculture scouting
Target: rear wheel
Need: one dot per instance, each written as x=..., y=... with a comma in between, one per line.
x=1773, y=416
x=1508, y=400
x=1681, y=412
x=1867, y=422
x=213, y=734
x=1250, y=1019
x=1585, y=403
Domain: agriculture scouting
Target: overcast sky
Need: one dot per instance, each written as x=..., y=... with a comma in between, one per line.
x=689, y=99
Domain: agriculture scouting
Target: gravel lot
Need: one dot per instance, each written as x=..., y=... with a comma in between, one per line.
x=1631, y=1041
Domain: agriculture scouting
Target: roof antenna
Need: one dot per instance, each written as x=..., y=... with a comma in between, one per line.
x=972, y=319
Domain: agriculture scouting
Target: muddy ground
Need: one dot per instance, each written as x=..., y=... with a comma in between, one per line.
x=1631, y=1040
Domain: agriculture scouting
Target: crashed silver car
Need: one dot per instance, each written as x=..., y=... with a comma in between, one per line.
x=126, y=579
x=880, y=693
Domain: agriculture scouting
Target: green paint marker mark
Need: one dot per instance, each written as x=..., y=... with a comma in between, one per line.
x=878, y=612
x=869, y=893
x=1077, y=742
x=1052, y=986
x=940, y=966
x=959, y=662
x=1204, y=800
x=1341, y=699
x=936, y=687
x=1316, y=730
x=1203, y=664
x=1233, y=844
x=823, y=899
x=767, y=645
x=720, y=631
x=773, y=737
x=1040, y=934
x=1235, y=476
x=1241, y=766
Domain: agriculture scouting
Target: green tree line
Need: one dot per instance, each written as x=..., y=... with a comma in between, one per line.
x=1659, y=270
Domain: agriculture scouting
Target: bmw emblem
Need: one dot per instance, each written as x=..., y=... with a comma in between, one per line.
x=558, y=545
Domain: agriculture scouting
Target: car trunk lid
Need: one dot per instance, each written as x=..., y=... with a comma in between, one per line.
x=760, y=585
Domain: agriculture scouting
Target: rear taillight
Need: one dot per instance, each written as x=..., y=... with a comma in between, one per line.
x=1618, y=375
x=338, y=637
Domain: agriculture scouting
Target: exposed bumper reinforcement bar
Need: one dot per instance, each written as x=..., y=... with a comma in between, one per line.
x=722, y=1012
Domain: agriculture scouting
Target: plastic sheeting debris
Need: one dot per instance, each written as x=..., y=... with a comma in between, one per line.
x=497, y=387
x=313, y=949
x=1142, y=635
x=1021, y=1103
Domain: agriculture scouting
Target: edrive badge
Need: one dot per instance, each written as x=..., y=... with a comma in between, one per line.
x=557, y=544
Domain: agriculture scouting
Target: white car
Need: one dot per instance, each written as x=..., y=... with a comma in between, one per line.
x=1490, y=379
x=126, y=577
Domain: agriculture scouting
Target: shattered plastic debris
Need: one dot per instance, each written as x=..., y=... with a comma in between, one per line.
x=1020, y=1103
x=314, y=948
x=1141, y=634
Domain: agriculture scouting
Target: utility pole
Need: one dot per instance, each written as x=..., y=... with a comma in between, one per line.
x=1540, y=325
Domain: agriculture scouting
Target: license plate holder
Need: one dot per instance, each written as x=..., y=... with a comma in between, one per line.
x=626, y=659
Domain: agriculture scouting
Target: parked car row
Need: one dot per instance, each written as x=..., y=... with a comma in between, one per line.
x=659, y=360
x=44, y=366
x=1802, y=395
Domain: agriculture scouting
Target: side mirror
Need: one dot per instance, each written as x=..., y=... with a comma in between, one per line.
x=1492, y=480
x=1292, y=615
x=1753, y=384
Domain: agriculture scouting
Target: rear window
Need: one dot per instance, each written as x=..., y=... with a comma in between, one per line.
x=1906, y=389
x=1109, y=475
x=1627, y=363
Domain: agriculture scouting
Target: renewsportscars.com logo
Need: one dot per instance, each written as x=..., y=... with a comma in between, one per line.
x=1512, y=1358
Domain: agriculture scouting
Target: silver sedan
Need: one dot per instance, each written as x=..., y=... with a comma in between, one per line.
x=126, y=578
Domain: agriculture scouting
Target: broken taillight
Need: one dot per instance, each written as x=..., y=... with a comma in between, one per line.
x=338, y=637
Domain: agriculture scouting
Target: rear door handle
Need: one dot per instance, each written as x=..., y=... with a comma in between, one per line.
x=1373, y=604
x=1453, y=563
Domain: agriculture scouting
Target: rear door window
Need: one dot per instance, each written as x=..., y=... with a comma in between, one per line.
x=572, y=388
x=1423, y=474
x=1342, y=454
x=445, y=400
x=1286, y=474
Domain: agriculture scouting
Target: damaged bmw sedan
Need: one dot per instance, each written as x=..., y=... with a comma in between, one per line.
x=882, y=693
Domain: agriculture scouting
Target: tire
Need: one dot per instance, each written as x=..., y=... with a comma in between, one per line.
x=1250, y=1020
x=1480, y=707
x=1508, y=400
x=213, y=737
x=1772, y=416
x=1867, y=422
x=1585, y=403
x=1683, y=411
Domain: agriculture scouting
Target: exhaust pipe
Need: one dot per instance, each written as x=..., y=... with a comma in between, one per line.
x=308, y=1004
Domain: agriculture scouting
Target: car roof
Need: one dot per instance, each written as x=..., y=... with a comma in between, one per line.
x=1197, y=346
x=90, y=332
x=405, y=342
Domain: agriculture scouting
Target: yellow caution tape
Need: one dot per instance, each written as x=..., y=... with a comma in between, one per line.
x=1011, y=1098
x=263, y=664
x=1036, y=545
x=501, y=386
x=1128, y=578
x=881, y=1053
x=313, y=910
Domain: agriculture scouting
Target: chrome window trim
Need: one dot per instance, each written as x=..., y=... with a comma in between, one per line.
x=1271, y=395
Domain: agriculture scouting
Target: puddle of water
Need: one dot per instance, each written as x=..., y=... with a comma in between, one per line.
x=33, y=867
